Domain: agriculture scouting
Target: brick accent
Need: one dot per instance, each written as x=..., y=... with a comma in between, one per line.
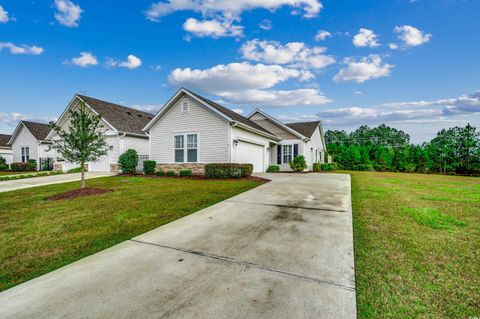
x=114, y=168
x=197, y=169
x=57, y=167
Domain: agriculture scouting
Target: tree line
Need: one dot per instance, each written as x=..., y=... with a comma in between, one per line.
x=452, y=151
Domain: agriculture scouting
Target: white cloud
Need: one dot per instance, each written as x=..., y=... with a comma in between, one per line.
x=366, y=68
x=366, y=38
x=149, y=108
x=212, y=28
x=265, y=24
x=230, y=10
x=411, y=36
x=245, y=84
x=322, y=35
x=68, y=13
x=11, y=119
x=3, y=15
x=358, y=93
x=21, y=49
x=239, y=111
x=85, y=59
x=393, y=46
x=295, y=54
x=131, y=63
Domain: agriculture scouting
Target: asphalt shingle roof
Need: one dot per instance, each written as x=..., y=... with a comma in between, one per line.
x=4, y=138
x=305, y=128
x=38, y=130
x=122, y=118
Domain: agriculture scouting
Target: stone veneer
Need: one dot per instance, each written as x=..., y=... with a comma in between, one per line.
x=197, y=169
x=114, y=168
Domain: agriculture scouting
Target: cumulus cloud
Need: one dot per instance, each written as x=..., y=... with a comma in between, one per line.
x=366, y=68
x=295, y=54
x=393, y=46
x=230, y=10
x=131, y=63
x=21, y=49
x=68, y=13
x=239, y=111
x=11, y=119
x=246, y=84
x=265, y=25
x=4, y=18
x=411, y=36
x=149, y=108
x=322, y=35
x=85, y=59
x=212, y=28
x=365, y=38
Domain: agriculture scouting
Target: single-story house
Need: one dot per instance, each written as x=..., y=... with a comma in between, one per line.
x=122, y=128
x=191, y=131
x=29, y=141
x=5, y=149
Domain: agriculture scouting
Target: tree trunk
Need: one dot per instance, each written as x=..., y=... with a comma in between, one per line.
x=83, y=174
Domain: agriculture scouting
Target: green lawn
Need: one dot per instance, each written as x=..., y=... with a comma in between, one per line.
x=4, y=173
x=38, y=236
x=417, y=245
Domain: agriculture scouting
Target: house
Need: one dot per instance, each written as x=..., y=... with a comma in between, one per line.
x=29, y=141
x=191, y=131
x=121, y=125
x=5, y=149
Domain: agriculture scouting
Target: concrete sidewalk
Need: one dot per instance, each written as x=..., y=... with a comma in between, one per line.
x=282, y=250
x=7, y=186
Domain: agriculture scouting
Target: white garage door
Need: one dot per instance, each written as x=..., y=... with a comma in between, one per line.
x=248, y=153
x=102, y=165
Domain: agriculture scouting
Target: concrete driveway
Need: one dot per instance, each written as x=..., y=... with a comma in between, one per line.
x=282, y=250
x=7, y=186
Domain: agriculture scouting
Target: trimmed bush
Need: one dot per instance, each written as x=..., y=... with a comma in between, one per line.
x=228, y=170
x=160, y=172
x=170, y=173
x=316, y=167
x=31, y=165
x=18, y=167
x=75, y=170
x=128, y=161
x=3, y=164
x=185, y=173
x=273, y=169
x=149, y=167
x=298, y=164
x=329, y=167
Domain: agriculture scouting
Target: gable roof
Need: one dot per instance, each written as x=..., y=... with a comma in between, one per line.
x=305, y=128
x=4, y=138
x=123, y=119
x=277, y=122
x=38, y=130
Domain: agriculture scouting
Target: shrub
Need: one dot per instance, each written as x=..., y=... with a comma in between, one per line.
x=128, y=161
x=31, y=165
x=273, y=169
x=298, y=164
x=170, y=173
x=75, y=170
x=149, y=167
x=228, y=170
x=185, y=173
x=328, y=167
x=18, y=167
x=160, y=172
x=3, y=164
x=316, y=167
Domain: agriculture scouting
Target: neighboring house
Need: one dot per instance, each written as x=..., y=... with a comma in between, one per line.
x=190, y=131
x=122, y=127
x=29, y=141
x=5, y=149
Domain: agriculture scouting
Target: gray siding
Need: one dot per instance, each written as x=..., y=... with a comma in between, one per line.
x=272, y=127
x=213, y=133
x=137, y=143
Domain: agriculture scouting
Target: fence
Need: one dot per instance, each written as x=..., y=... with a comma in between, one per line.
x=141, y=158
x=45, y=164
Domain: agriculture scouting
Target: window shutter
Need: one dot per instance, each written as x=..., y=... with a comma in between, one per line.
x=279, y=154
x=295, y=150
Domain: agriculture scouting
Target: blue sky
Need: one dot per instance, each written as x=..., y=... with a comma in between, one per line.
x=411, y=64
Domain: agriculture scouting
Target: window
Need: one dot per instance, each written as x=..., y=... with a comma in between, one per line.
x=186, y=152
x=287, y=154
x=25, y=154
x=185, y=106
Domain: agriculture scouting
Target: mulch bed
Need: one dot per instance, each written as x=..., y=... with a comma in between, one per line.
x=89, y=191
x=202, y=177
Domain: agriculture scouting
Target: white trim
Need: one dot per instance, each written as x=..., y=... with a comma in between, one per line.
x=185, y=148
x=277, y=122
x=246, y=140
x=251, y=129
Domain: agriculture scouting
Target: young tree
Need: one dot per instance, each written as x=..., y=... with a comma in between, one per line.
x=83, y=141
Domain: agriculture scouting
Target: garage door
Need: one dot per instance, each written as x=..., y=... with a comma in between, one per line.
x=251, y=154
x=102, y=165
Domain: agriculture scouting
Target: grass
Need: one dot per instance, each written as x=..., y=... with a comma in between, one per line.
x=38, y=236
x=6, y=173
x=417, y=245
x=23, y=175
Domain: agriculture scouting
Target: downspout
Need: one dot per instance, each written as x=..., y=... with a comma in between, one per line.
x=230, y=138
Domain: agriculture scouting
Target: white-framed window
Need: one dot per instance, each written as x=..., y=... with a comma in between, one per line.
x=287, y=151
x=25, y=154
x=186, y=148
x=185, y=106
